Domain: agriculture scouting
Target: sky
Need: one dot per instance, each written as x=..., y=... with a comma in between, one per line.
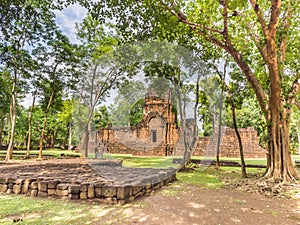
x=67, y=19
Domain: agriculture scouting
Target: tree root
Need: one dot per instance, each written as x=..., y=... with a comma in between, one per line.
x=265, y=186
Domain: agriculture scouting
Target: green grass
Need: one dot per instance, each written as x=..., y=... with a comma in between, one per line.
x=207, y=178
x=52, y=152
x=144, y=162
x=43, y=211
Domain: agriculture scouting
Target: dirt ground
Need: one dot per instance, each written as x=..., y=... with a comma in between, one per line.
x=192, y=205
x=180, y=203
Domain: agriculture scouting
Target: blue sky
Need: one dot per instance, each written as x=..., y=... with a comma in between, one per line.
x=67, y=18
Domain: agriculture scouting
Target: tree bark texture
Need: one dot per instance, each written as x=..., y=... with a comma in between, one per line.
x=13, y=116
x=44, y=124
x=30, y=126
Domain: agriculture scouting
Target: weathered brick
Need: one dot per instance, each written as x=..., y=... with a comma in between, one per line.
x=51, y=192
x=19, y=181
x=32, y=192
x=73, y=196
x=42, y=194
x=53, y=183
x=43, y=186
x=98, y=185
x=25, y=188
x=34, y=185
x=91, y=191
x=140, y=194
x=148, y=186
x=3, y=180
x=83, y=195
x=17, y=188
x=109, y=191
x=3, y=188
x=157, y=186
x=136, y=189
x=74, y=189
x=12, y=180
x=98, y=192
x=62, y=186
x=29, y=180
x=124, y=192
x=83, y=187
x=62, y=193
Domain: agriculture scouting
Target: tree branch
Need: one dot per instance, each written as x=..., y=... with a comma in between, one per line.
x=260, y=17
x=274, y=18
x=229, y=48
x=261, y=48
x=295, y=90
x=284, y=36
x=183, y=18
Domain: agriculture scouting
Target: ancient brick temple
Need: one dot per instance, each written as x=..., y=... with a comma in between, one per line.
x=229, y=147
x=158, y=134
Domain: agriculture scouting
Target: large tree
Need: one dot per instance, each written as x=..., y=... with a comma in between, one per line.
x=260, y=36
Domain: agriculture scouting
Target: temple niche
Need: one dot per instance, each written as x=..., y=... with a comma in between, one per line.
x=158, y=134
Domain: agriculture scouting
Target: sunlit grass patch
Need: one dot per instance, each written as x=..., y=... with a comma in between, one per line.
x=208, y=178
x=146, y=161
x=50, y=152
x=28, y=210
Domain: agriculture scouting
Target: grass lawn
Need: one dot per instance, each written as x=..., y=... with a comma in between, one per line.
x=53, y=152
x=144, y=161
x=16, y=209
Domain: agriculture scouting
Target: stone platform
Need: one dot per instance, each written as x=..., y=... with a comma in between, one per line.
x=104, y=180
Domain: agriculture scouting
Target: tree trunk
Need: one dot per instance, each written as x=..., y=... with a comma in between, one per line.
x=86, y=140
x=224, y=85
x=13, y=116
x=220, y=124
x=244, y=173
x=30, y=125
x=298, y=135
x=1, y=131
x=70, y=137
x=44, y=125
x=52, y=139
x=86, y=135
x=280, y=163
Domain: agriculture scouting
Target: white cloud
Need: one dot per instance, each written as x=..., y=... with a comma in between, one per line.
x=67, y=18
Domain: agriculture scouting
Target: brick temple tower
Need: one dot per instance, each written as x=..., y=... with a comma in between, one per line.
x=155, y=134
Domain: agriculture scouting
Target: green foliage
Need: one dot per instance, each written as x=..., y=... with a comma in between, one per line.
x=101, y=117
x=136, y=112
x=128, y=104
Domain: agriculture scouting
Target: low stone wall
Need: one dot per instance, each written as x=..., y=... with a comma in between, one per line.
x=38, y=187
x=108, y=182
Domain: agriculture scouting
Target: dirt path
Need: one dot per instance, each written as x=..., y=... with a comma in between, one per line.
x=188, y=204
